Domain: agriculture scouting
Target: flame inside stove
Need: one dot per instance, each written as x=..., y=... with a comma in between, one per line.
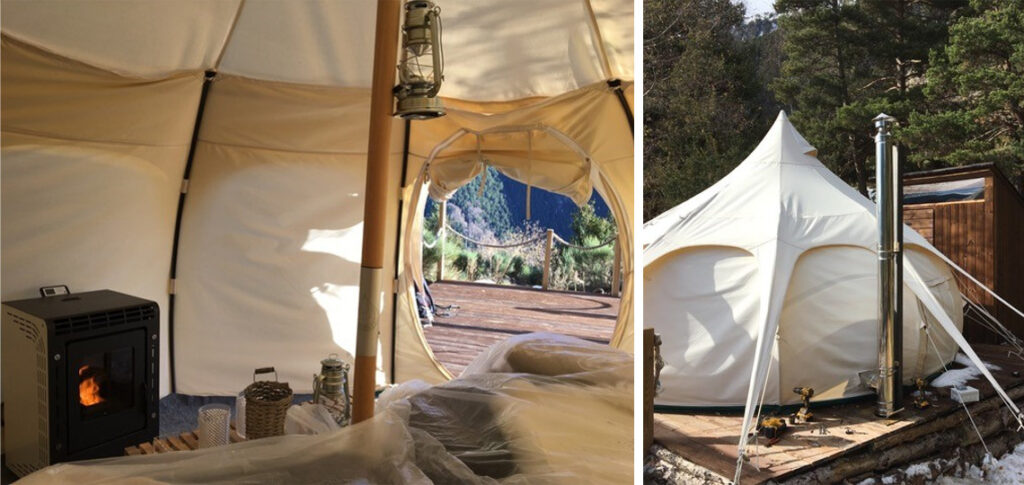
x=88, y=388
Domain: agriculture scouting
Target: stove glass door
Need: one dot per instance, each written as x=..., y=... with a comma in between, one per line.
x=106, y=391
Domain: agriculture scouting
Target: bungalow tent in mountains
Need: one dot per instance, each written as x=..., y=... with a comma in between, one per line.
x=210, y=157
x=767, y=282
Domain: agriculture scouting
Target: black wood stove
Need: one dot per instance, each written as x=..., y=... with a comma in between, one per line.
x=80, y=377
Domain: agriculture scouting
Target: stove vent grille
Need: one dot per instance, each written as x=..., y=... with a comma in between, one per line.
x=112, y=318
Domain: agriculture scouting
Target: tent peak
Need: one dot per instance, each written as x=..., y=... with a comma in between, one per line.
x=783, y=144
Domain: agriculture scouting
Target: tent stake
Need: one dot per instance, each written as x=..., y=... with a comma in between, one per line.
x=385, y=58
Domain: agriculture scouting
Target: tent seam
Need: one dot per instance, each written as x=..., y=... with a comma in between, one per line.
x=55, y=136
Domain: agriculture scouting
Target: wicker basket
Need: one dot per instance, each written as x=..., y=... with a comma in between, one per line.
x=266, y=404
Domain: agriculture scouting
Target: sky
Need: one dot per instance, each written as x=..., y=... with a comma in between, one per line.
x=755, y=7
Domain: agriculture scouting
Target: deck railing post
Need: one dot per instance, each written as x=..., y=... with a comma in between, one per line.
x=546, y=282
x=616, y=268
x=442, y=233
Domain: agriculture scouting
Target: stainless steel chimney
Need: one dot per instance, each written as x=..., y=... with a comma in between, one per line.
x=889, y=205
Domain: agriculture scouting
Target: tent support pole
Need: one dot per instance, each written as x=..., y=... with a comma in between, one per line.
x=442, y=223
x=207, y=80
x=890, y=277
x=385, y=58
x=616, y=86
x=398, y=247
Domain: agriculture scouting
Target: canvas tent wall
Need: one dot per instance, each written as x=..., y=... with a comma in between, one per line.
x=100, y=101
x=773, y=269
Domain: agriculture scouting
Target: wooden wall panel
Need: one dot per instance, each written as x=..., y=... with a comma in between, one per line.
x=921, y=219
x=959, y=231
x=1009, y=253
x=984, y=237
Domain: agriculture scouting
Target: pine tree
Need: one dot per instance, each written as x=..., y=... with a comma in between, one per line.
x=975, y=93
x=586, y=224
x=703, y=109
x=848, y=61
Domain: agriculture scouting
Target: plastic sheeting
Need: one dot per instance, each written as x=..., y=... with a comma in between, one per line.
x=569, y=422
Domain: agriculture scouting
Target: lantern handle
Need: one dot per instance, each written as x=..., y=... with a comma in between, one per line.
x=264, y=370
x=434, y=17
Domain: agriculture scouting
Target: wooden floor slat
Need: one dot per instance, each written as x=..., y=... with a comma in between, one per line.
x=489, y=314
x=161, y=445
x=710, y=439
x=178, y=444
x=190, y=439
x=184, y=442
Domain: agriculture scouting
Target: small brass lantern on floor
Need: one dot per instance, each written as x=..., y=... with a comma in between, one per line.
x=330, y=388
x=421, y=68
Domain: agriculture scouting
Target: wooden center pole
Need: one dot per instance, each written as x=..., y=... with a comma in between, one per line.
x=385, y=58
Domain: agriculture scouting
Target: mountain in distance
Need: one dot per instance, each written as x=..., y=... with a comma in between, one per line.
x=502, y=205
x=549, y=209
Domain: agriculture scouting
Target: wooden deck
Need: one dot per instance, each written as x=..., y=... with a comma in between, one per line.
x=488, y=314
x=852, y=433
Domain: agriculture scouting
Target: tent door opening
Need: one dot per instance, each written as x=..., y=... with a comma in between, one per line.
x=485, y=286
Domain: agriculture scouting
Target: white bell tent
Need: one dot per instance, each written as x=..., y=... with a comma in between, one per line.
x=114, y=131
x=767, y=281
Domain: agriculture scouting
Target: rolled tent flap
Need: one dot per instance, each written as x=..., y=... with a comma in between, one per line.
x=553, y=164
x=446, y=178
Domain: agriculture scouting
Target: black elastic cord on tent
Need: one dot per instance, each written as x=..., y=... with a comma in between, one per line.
x=616, y=85
x=207, y=80
x=398, y=247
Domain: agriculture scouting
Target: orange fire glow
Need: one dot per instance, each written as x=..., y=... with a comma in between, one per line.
x=88, y=389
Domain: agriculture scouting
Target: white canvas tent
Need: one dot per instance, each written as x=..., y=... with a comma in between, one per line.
x=780, y=243
x=100, y=101
x=767, y=281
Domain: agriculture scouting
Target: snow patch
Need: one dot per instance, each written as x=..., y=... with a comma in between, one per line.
x=963, y=359
x=1008, y=470
x=956, y=377
x=960, y=377
x=919, y=469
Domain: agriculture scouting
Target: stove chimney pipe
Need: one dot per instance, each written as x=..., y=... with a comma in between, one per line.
x=889, y=206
